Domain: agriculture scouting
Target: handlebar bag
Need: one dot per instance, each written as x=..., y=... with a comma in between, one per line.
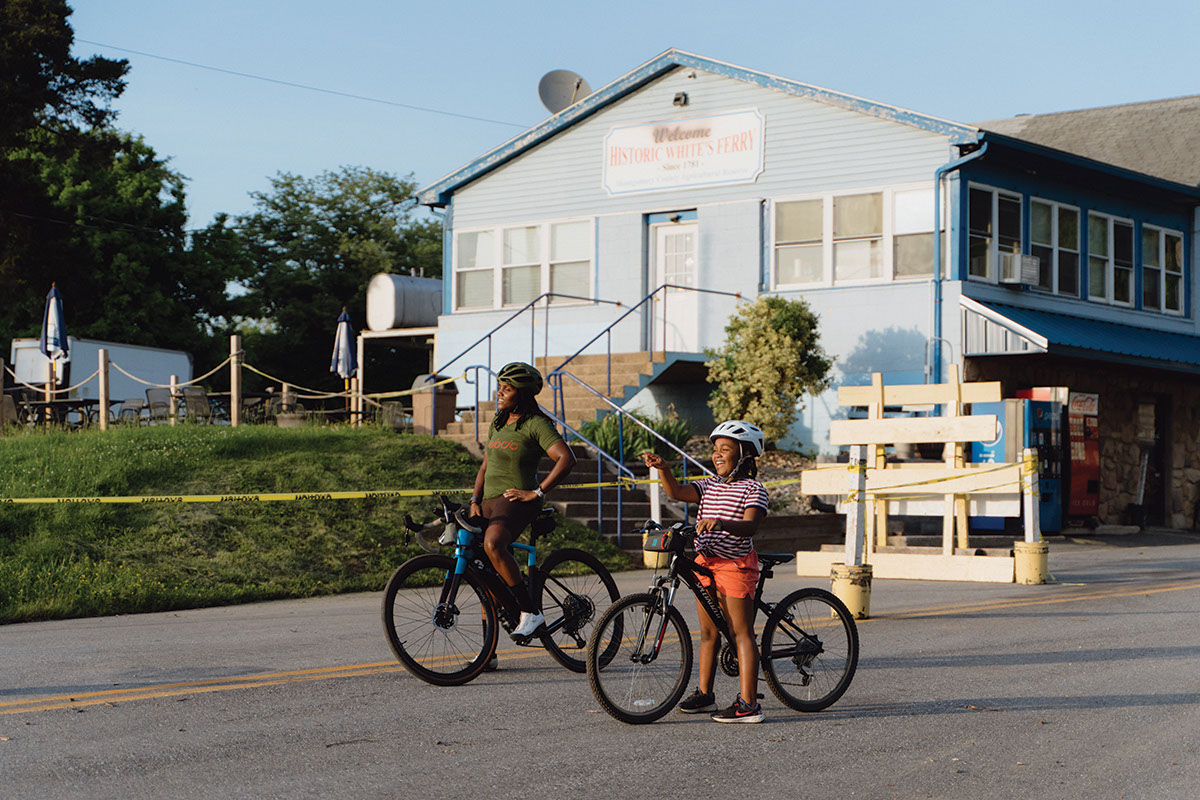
x=658, y=541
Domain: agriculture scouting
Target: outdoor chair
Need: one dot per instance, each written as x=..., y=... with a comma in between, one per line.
x=159, y=403
x=132, y=411
x=196, y=406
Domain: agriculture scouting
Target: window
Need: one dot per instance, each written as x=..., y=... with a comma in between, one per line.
x=839, y=238
x=912, y=230
x=1162, y=270
x=994, y=222
x=1110, y=259
x=521, y=279
x=512, y=266
x=473, y=270
x=570, y=265
x=799, y=242
x=858, y=237
x=1054, y=239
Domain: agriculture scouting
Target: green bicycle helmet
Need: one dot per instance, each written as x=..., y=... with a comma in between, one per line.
x=520, y=375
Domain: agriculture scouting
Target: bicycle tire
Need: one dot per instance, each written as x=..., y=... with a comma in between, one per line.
x=449, y=653
x=638, y=693
x=809, y=649
x=571, y=602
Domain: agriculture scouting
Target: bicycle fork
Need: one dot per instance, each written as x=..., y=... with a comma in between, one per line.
x=639, y=655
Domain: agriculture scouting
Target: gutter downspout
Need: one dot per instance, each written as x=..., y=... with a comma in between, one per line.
x=936, y=339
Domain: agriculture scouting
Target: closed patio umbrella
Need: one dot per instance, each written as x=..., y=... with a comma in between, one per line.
x=54, y=344
x=345, y=362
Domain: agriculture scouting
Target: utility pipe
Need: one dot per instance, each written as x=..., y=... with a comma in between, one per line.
x=937, y=255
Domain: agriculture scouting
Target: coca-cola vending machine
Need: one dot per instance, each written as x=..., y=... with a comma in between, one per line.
x=1083, y=428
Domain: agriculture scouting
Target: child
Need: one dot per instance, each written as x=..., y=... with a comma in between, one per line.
x=731, y=507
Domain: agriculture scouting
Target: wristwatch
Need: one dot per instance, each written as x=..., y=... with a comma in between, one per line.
x=539, y=492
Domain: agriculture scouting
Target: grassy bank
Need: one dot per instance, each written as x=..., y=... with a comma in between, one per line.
x=70, y=560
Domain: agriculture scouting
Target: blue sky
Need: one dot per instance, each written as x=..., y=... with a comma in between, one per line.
x=963, y=61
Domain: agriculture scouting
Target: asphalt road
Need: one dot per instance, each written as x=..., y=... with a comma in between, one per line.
x=1084, y=688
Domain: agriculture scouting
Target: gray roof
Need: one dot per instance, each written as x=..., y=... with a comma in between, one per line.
x=1159, y=138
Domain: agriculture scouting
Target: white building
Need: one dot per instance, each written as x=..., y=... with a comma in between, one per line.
x=701, y=174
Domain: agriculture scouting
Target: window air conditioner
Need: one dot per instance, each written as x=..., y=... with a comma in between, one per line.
x=1019, y=268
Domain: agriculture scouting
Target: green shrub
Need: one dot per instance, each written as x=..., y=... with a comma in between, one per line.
x=607, y=434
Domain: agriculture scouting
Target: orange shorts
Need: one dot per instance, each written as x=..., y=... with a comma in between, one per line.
x=735, y=577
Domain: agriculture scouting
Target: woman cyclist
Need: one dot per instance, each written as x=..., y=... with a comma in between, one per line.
x=731, y=507
x=507, y=490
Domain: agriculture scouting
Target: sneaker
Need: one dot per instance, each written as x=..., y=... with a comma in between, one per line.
x=492, y=665
x=740, y=712
x=699, y=702
x=528, y=624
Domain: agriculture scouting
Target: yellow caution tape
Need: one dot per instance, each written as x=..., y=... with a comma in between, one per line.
x=268, y=497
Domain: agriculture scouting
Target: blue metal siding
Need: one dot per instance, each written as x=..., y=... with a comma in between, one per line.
x=1088, y=195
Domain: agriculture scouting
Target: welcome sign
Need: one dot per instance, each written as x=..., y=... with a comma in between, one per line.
x=702, y=151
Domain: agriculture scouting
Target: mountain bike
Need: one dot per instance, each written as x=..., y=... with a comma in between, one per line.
x=639, y=659
x=442, y=613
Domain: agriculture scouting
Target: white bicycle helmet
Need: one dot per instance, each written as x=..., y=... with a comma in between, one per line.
x=741, y=431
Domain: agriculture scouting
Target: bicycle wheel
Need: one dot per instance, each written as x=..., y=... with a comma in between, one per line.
x=575, y=589
x=446, y=644
x=630, y=681
x=809, y=649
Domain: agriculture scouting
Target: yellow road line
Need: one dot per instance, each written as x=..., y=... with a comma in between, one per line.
x=356, y=670
x=219, y=685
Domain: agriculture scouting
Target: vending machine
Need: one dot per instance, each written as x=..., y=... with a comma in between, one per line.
x=1025, y=422
x=1084, y=427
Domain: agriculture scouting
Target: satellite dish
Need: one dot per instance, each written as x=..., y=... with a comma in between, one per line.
x=560, y=88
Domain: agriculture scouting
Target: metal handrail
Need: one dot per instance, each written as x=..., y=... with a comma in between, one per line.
x=633, y=308
x=533, y=317
x=471, y=376
x=555, y=379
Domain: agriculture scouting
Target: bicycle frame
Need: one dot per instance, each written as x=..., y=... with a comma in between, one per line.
x=466, y=544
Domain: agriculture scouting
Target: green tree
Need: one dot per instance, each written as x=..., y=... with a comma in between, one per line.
x=315, y=243
x=771, y=357
x=108, y=226
x=40, y=80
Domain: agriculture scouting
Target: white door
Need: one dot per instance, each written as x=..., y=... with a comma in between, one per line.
x=676, y=318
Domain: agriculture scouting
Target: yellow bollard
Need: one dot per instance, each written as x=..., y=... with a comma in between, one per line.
x=1029, y=562
x=852, y=585
x=651, y=559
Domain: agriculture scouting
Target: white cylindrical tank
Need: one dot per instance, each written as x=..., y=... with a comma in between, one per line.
x=403, y=301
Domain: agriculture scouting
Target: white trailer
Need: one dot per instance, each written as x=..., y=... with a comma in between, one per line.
x=152, y=364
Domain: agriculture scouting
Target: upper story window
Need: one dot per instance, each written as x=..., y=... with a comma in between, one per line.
x=1054, y=239
x=849, y=238
x=507, y=267
x=1162, y=270
x=800, y=241
x=994, y=220
x=570, y=259
x=858, y=237
x=1110, y=259
x=474, y=268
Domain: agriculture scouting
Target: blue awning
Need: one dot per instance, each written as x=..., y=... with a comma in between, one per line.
x=1001, y=329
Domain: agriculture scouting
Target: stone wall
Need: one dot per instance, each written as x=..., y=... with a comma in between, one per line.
x=1122, y=390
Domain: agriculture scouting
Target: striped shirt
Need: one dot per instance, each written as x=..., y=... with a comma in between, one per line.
x=720, y=500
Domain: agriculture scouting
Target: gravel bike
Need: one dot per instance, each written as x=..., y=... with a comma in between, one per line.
x=442, y=613
x=639, y=659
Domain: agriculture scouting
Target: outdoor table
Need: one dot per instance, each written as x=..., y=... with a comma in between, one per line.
x=60, y=408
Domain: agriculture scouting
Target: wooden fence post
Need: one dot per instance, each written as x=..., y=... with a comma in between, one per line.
x=235, y=380
x=103, y=367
